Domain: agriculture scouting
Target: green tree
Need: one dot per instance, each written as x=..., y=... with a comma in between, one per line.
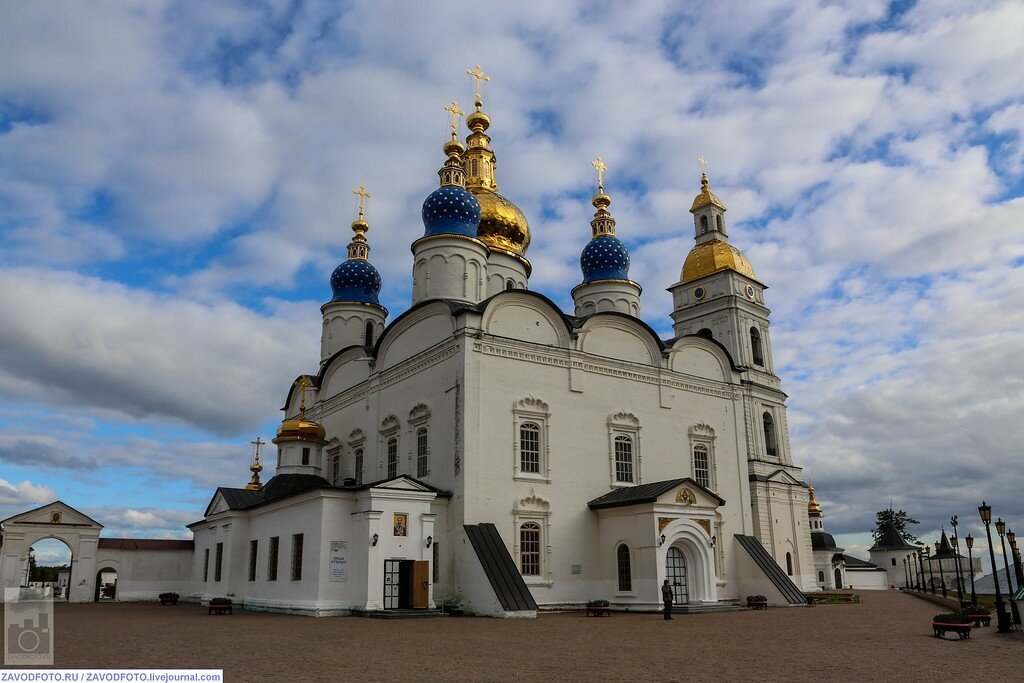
x=897, y=518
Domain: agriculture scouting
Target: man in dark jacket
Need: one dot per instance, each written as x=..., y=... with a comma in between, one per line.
x=666, y=597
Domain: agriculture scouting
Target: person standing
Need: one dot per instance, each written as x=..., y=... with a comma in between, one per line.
x=666, y=597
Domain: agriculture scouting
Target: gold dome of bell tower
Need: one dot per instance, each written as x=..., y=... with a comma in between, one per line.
x=503, y=227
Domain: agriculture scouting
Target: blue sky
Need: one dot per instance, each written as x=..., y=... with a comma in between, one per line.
x=175, y=190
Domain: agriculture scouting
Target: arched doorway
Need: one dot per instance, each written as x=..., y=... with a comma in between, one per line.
x=106, y=585
x=839, y=578
x=48, y=564
x=675, y=572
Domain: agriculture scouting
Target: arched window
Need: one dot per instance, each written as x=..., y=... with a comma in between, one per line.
x=529, y=549
x=392, y=457
x=336, y=469
x=789, y=564
x=703, y=224
x=718, y=222
x=770, y=444
x=368, y=337
x=358, y=467
x=701, y=466
x=755, y=346
x=529, y=447
x=706, y=333
x=625, y=575
x=421, y=452
x=821, y=577
x=624, y=459
x=510, y=284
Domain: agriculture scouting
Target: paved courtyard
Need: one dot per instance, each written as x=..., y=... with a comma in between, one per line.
x=886, y=637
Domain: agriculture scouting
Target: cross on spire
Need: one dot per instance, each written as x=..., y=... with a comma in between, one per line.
x=599, y=164
x=363, y=196
x=480, y=77
x=257, y=444
x=304, y=385
x=456, y=113
x=703, y=164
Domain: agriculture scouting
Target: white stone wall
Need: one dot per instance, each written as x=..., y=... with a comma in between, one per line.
x=145, y=574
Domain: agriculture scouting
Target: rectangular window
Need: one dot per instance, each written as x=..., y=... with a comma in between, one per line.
x=253, y=547
x=275, y=541
x=392, y=458
x=296, y=557
x=206, y=565
x=701, y=467
x=437, y=561
x=218, y=563
x=359, y=467
x=529, y=448
x=336, y=469
x=624, y=459
x=305, y=456
x=529, y=549
x=421, y=452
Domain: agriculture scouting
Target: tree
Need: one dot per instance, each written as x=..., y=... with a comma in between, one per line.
x=897, y=518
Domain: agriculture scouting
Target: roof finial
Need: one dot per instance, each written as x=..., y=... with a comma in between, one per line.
x=603, y=223
x=254, y=483
x=304, y=385
x=456, y=114
x=480, y=76
x=358, y=249
x=363, y=196
x=600, y=166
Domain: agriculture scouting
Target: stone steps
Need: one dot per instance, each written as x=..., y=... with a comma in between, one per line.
x=708, y=608
x=402, y=614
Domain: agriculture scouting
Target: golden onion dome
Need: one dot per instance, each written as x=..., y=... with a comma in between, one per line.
x=301, y=428
x=706, y=196
x=502, y=225
x=711, y=257
x=813, y=506
x=478, y=118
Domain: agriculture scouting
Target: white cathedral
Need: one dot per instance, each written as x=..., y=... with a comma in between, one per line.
x=487, y=450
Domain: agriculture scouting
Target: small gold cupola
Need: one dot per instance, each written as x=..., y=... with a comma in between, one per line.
x=299, y=428
x=502, y=225
x=813, y=506
x=712, y=252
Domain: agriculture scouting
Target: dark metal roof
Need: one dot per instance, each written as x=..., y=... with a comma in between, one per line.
x=146, y=544
x=892, y=540
x=501, y=571
x=645, y=493
x=772, y=570
x=945, y=551
x=857, y=563
x=822, y=541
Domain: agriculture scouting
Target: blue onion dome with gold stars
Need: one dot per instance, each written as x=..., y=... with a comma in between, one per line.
x=605, y=257
x=356, y=280
x=451, y=209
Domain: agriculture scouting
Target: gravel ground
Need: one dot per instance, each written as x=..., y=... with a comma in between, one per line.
x=886, y=637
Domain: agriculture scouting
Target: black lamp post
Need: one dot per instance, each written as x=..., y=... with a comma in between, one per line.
x=920, y=570
x=1018, y=570
x=956, y=562
x=931, y=574
x=942, y=577
x=970, y=567
x=1001, y=528
x=906, y=574
x=1003, y=618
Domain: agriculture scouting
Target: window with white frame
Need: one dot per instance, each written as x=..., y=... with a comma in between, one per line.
x=623, y=565
x=422, y=449
x=702, y=455
x=624, y=456
x=356, y=439
x=419, y=418
x=389, y=446
x=532, y=449
x=623, y=459
x=357, y=466
x=334, y=460
x=529, y=549
x=392, y=457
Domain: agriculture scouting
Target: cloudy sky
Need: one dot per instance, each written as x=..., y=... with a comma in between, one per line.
x=175, y=190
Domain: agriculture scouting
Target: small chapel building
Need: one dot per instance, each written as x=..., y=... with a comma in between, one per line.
x=488, y=449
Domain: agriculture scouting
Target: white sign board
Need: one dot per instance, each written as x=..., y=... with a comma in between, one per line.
x=338, y=570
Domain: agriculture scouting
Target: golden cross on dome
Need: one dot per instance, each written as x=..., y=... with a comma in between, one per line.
x=363, y=196
x=256, y=447
x=703, y=164
x=599, y=164
x=480, y=77
x=304, y=385
x=454, y=110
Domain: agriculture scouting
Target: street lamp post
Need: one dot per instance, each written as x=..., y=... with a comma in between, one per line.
x=1018, y=569
x=970, y=567
x=942, y=576
x=919, y=583
x=906, y=574
x=1001, y=528
x=956, y=561
x=931, y=574
x=1003, y=618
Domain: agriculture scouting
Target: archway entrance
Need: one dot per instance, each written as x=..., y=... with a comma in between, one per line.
x=839, y=578
x=106, y=585
x=48, y=564
x=675, y=572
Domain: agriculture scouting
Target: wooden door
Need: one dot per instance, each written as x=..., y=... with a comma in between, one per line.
x=421, y=584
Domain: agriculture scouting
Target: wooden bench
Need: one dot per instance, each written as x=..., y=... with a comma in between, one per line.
x=963, y=631
x=220, y=609
x=980, y=620
x=599, y=611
